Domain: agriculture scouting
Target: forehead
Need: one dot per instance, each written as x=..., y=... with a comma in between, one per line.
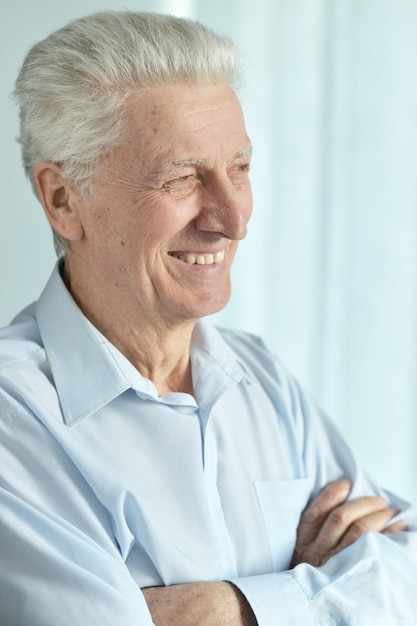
x=186, y=118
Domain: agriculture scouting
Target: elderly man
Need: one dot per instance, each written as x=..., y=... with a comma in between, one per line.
x=155, y=469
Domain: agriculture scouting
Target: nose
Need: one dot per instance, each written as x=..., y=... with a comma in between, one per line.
x=225, y=209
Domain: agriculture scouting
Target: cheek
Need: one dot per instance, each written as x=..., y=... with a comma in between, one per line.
x=98, y=227
x=132, y=225
x=248, y=202
x=132, y=221
x=168, y=218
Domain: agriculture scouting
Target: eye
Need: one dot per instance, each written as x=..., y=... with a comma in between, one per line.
x=243, y=167
x=181, y=184
x=239, y=173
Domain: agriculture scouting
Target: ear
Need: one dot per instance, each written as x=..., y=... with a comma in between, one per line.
x=59, y=200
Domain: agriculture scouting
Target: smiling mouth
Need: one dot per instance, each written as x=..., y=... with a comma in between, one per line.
x=199, y=259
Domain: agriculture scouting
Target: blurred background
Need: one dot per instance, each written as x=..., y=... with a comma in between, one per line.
x=328, y=273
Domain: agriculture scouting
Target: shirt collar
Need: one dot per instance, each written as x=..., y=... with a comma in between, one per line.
x=89, y=371
x=83, y=370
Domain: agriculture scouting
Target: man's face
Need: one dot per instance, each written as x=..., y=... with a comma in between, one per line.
x=168, y=207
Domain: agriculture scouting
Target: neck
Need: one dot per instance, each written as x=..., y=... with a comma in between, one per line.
x=163, y=358
x=159, y=351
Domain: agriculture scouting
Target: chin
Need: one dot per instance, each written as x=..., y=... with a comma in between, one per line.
x=209, y=307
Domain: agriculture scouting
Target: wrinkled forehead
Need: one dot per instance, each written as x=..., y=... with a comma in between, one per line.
x=182, y=104
x=185, y=122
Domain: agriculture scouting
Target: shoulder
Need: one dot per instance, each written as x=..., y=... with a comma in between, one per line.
x=24, y=370
x=20, y=340
x=283, y=388
x=254, y=354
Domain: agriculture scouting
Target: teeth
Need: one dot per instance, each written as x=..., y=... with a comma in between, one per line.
x=201, y=259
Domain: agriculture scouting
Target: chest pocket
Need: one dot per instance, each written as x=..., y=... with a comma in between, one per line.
x=282, y=503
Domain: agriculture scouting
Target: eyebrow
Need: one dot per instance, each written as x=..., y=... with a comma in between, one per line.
x=192, y=162
x=182, y=163
x=243, y=153
x=176, y=163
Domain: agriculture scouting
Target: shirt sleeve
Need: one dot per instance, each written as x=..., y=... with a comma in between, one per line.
x=56, y=566
x=370, y=583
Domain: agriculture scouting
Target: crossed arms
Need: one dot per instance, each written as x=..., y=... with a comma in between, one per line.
x=328, y=525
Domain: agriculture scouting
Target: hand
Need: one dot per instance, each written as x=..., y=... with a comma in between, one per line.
x=199, y=604
x=330, y=524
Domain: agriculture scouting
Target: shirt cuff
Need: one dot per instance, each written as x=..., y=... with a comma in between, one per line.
x=276, y=599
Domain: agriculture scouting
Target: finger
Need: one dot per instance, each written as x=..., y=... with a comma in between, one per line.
x=376, y=522
x=318, y=510
x=342, y=517
x=396, y=527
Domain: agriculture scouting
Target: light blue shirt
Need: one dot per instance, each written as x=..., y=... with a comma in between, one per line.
x=106, y=487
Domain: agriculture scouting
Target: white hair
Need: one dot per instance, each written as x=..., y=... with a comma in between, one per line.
x=72, y=85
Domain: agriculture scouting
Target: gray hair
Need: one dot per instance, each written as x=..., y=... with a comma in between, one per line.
x=72, y=85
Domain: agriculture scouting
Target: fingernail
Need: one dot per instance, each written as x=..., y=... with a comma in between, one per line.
x=345, y=484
